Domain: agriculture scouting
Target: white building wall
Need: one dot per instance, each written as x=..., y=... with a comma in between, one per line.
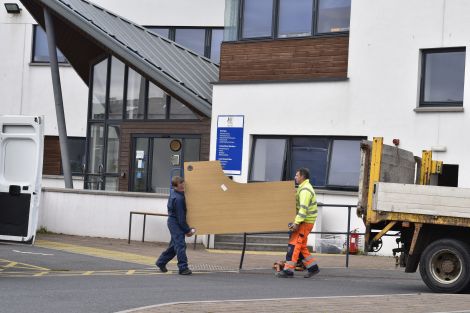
x=378, y=99
x=104, y=214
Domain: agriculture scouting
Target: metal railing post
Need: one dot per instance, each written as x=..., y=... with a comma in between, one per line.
x=348, y=236
x=243, y=251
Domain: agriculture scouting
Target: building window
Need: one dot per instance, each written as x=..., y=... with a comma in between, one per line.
x=192, y=39
x=40, y=48
x=135, y=100
x=257, y=18
x=98, y=90
x=299, y=18
x=203, y=41
x=157, y=103
x=162, y=31
x=268, y=160
x=334, y=163
x=442, y=77
x=333, y=16
x=295, y=20
x=116, y=89
x=216, y=41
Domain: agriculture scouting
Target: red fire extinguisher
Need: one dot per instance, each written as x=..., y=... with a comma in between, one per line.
x=354, y=242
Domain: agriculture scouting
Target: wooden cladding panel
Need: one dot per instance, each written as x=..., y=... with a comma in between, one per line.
x=129, y=129
x=51, y=165
x=293, y=59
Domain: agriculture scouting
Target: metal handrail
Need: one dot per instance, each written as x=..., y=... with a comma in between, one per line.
x=145, y=218
x=347, y=233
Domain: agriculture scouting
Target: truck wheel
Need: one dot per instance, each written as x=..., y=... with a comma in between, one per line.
x=445, y=266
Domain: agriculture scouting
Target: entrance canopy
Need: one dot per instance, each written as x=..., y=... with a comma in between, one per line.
x=85, y=31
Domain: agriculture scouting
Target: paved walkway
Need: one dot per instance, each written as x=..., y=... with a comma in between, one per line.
x=415, y=303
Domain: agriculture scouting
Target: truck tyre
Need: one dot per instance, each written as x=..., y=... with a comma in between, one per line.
x=445, y=266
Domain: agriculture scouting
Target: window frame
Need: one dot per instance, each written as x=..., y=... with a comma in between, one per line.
x=422, y=80
x=287, y=172
x=33, y=50
x=207, y=36
x=275, y=24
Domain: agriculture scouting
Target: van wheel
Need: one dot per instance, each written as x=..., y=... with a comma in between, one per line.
x=445, y=266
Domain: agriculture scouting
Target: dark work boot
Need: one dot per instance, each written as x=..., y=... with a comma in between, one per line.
x=162, y=268
x=312, y=271
x=186, y=271
x=284, y=274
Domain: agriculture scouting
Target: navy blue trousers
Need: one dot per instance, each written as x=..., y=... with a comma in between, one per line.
x=176, y=248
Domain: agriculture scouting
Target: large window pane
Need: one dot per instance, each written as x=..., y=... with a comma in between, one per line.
x=217, y=38
x=98, y=101
x=311, y=153
x=444, y=76
x=156, y=102
x=112, y=153
x=116, y=92
x=268, y=160
x=41, y=50
x=163, y=32
x=135, y=105
x=257, y=18
x=231, y=20
x=345, y=163
x=191, y=149
x=112, y=183
x=333, y=16
x=191, y=38
x=95, y=149
x=77, y=147
x=179, y=111
x=141, y=159
x=295, y=18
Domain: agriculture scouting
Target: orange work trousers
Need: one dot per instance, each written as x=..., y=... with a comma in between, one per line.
x=298, y=247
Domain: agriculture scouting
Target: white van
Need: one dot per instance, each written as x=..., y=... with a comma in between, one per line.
x=21, y=156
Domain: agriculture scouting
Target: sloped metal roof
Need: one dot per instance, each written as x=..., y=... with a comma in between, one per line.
x=181, y=72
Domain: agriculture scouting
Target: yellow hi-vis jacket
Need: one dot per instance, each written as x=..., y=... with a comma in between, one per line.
x=306, y=204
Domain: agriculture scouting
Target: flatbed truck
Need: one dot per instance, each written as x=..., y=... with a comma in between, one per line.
x=432, y=222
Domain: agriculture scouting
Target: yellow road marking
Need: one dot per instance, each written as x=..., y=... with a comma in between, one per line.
x=11, y=264
x=139, y=272
x=40, y=273
x=18, y=265
x=100, y=253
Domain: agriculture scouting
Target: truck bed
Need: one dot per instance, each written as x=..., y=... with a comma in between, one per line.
x=431, y=201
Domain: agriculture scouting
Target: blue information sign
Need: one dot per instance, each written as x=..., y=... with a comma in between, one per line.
x=230, y=143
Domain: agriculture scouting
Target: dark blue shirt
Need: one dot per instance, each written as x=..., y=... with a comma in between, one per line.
x=177, y=210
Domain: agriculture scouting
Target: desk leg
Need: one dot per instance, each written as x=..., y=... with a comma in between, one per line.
x=130, y=228
x=143, y=232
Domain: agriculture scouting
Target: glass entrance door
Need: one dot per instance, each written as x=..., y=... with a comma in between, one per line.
x=158, y=159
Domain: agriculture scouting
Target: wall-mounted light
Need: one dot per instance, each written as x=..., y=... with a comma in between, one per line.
x=12, y=8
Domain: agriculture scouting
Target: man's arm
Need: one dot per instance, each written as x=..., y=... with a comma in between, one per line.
x=180, y=208
x=304, y=200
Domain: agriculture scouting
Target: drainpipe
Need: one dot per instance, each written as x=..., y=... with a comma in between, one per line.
x=59, y=104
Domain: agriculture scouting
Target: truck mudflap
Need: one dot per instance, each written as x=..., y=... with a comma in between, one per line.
x=21, y=159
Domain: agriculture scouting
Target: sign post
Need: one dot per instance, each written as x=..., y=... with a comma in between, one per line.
x=229, y=146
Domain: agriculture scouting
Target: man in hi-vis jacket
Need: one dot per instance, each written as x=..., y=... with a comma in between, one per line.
x=306, y=205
